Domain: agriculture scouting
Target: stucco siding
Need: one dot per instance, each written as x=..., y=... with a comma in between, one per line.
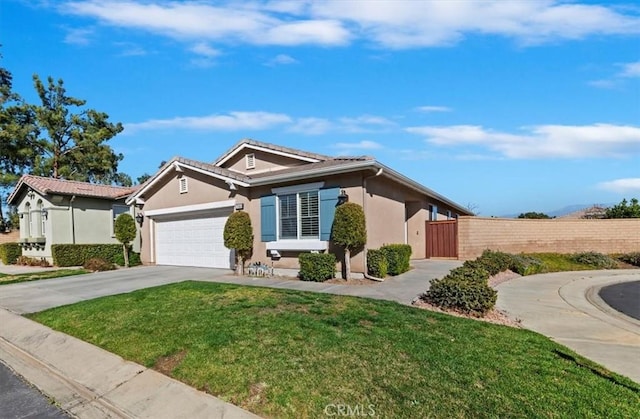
x=264, y=162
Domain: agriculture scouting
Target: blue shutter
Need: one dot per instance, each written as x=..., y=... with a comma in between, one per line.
x=268, y=218
x=328, y=202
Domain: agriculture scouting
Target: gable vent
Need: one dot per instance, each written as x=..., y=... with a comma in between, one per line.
x=250, y=160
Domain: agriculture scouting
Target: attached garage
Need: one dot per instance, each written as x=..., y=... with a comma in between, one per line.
x=192, y=238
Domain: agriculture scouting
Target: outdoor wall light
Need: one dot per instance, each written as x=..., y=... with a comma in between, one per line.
x=343, y=197
x=139, y=218
x=31, y=194
x=44, y=213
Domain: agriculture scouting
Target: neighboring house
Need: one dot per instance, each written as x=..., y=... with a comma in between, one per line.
x=55, y=211
x=290, y=195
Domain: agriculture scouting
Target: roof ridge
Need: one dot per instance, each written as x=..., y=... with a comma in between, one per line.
x=275, y=147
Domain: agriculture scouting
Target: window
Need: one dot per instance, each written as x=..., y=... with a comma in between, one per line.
x=42, y=219
x=182, y=185
x=299, y=216
x=250, y=160
x=28, y=222
x=115, y=211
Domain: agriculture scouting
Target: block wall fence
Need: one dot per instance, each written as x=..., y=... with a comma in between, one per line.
x=476, y=234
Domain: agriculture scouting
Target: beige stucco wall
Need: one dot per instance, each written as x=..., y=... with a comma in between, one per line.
x=264, y=162
x=539, y=236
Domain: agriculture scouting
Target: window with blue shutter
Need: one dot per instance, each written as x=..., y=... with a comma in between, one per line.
x=328, y=202
x=268, y=220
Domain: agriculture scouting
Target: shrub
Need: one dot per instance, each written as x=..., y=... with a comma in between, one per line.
x=28, y=261
x=456, y=293
x=526, y=265
x=377, y=264
x=238, y=235
x=594, y=259
x=9, y=253
x=98, y=265
x=468, y=274
x=78, y=254
x=398, y=257
x=125, y=231
x=134, y=259
x=631, y=258
x=349, y=231
x=317, y=267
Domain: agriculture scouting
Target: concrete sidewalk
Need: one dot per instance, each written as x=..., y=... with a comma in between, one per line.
x=565, y=306
x=88, y=382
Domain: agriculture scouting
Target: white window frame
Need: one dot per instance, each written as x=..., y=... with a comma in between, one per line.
x=183, y=185
x=28, y=221
x=114, y=216
x=250, y=160
x=297, y=190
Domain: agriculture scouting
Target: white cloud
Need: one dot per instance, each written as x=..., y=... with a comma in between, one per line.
x=233, y=121
x=311, y=126
x=202, y=48
x=628, y=185
x=603, y=83
x=430, y=109
x=281, y=59
x=630, y=70
x=362, y=145
x=388, y=23
x=78, y=36
x=543, y=141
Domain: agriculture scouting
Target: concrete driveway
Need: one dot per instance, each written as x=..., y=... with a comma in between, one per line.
x=29, y=297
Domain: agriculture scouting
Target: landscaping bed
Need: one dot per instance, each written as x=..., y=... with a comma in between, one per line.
x=6, y=279
x=281, y=353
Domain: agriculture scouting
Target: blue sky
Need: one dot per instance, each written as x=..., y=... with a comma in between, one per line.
x=507, y=106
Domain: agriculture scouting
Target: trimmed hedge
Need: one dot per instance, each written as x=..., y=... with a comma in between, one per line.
x=78, y=254
x=377, y=264
x=10, y=252
x=317, y=267
x=98, y=265
x=398, y=257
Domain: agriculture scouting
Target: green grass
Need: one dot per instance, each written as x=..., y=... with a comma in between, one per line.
x=6, y=279
x=283, y=353
x=556, y=262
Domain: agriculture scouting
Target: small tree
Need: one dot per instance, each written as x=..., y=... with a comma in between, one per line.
x=125, y=229
x=349, y=231
x=624, y=209
x=238, y=235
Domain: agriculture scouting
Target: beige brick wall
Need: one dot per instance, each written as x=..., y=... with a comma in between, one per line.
x=541, y=236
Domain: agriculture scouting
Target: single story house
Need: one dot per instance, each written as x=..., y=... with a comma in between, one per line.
x=290, y=195
x=56, y=211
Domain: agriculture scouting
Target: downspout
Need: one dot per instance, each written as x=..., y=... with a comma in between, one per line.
x=73, y=221
x=364, y=209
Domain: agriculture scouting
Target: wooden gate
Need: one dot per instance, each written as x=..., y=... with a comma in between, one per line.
x=442, y=239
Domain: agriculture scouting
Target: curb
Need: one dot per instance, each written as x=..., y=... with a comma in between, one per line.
x=89, y=382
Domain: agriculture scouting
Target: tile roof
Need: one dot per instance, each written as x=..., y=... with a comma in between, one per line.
x=44, y=186
x=274, y=147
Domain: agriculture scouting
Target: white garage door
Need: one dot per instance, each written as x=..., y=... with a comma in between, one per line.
x=194, y=240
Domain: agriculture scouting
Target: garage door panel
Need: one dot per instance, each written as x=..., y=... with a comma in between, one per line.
x=193, y=240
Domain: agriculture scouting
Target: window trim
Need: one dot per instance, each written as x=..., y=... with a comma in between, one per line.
x=299, y=236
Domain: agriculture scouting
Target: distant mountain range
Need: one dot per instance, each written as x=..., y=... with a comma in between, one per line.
x=565, y=210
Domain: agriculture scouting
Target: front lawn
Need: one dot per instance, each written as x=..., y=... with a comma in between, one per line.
x=34, y=276
x=281, y=353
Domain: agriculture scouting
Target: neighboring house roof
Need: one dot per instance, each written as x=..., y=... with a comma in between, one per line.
x=50, y=186
x=258, y=145
x=324, y=165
